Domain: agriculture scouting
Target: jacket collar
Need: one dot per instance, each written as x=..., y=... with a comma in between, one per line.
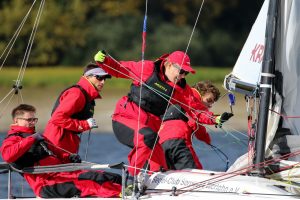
x=89, y=88
x=20, y=129
x=197, y=94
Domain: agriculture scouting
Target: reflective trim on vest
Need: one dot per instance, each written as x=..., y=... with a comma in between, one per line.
x=86, y=112
x=155, y=94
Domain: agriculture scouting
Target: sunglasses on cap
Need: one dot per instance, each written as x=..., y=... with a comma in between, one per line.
x=100, y=78
x=179, y=68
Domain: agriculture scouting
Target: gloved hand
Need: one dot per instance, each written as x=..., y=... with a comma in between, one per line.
x=223, y=118
x=75, y=158
x=92, y=123
x=100, y=56
x=38, y=136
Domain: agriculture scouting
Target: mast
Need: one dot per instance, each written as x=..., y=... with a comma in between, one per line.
x=267, y=75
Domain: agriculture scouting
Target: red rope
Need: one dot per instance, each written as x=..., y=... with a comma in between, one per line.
x=284, y=116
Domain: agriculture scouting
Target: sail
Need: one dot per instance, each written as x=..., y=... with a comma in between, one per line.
x=288, y=64
x=246, y=72
x=287, y=80
x=283, y=123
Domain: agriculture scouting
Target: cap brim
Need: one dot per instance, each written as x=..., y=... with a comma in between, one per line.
x=102, y=74
x=107, y=76
x=188, y=69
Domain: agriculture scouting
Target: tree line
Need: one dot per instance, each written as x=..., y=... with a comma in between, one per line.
x=71, y=31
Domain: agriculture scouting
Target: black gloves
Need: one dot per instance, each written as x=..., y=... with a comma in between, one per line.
x=223, y=118
x=75, y=158
x=38, y=136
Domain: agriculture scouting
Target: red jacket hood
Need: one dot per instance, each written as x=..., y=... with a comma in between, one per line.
x=17, y=129
x=89, y=88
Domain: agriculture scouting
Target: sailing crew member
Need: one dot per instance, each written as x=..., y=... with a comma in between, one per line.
x=23, y=147
x=73, y=111
x=137, y=128
x=176, y=130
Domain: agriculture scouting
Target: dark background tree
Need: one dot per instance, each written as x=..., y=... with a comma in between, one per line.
x=70, y=32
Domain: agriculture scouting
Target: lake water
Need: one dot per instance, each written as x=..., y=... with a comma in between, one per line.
x=104, y=148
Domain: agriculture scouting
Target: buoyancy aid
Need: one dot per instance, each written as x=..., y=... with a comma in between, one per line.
x=86, y=112
x=155, y=93
x=36, y=152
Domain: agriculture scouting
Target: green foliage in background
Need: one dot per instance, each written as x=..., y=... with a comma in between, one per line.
x=51, y=77
x=70, y=32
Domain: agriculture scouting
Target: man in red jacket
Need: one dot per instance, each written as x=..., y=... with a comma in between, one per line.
x=136, y=119
x=74, y=109
x=24, y=148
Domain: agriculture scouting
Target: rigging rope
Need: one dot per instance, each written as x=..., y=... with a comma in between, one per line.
x=17, y=86
x=282, y=115
x=30, y=43
x=87, y=144
x=144, y=33
x=163, y=96
x=173, y=88
x=244, y=170
x=15, y=36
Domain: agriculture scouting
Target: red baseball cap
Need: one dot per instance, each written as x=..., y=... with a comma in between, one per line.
x=182, y=60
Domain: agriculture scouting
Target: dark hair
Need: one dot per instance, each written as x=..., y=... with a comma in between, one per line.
x=204, y=87
x=89, y=67
x=21, y=109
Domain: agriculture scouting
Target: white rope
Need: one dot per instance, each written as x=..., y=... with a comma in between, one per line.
x=156, y=139
x=141, y=83
x=2, y=111
x=7, y=95
x=30, y=42
x=15, y=36
x=26, y=56
x=156, y=91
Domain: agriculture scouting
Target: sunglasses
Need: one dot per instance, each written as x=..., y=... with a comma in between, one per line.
x=181, y=71
x=100, y=78
x=29, y=119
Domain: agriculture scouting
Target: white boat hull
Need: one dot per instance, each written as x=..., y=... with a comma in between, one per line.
x=192, y=184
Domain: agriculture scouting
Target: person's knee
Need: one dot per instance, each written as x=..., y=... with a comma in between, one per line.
x=123, y=133
x=100, y=177
x=60, y=190
x=150, y=137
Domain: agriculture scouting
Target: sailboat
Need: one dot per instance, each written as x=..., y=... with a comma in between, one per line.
x=266, y=72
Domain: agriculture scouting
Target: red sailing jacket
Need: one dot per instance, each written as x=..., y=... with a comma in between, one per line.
x=183, y=96
x=200, y=131
x=61, y=127
x=175, y=129
x=179, y=129
x=14, y=147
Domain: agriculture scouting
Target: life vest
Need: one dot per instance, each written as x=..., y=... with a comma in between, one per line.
x=88, y=110
x=36, y=152
x=155, y=93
